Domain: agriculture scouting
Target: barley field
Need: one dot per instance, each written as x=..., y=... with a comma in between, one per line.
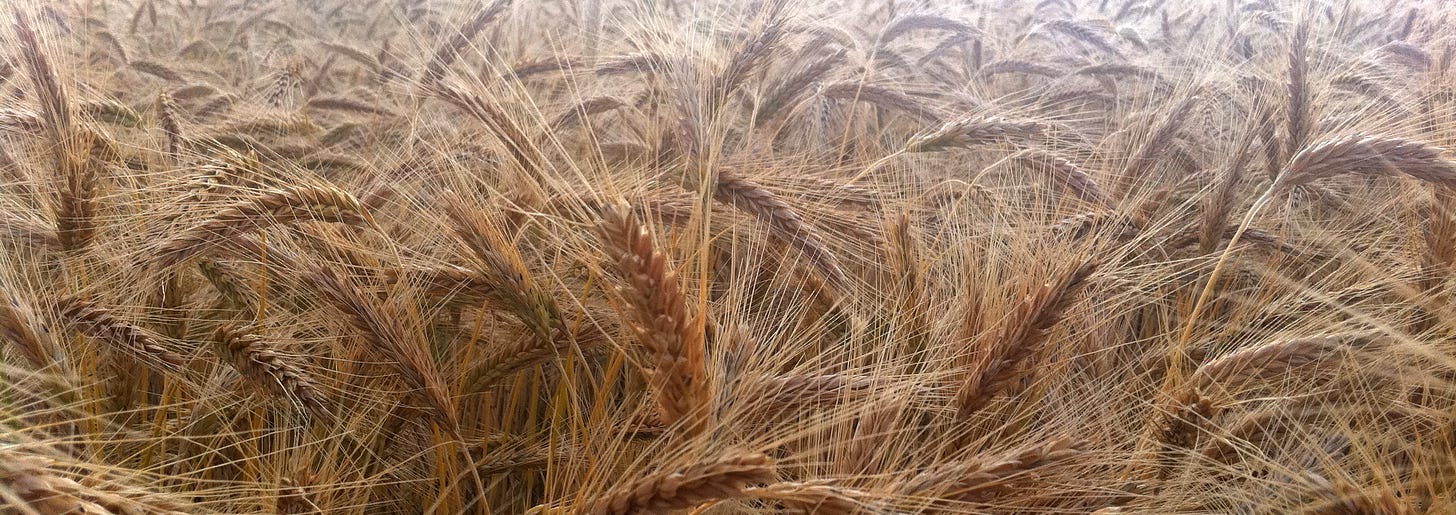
x=727, y=257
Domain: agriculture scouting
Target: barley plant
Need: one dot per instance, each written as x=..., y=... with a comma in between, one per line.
x=727, y=256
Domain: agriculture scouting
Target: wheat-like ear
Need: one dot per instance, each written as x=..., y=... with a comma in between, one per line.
x=751, y=55
x=1182, y=426
x=666, y=490
x=352, y=53
x=955, y=41
x=1272, y=359
x=1159, y=140
x=1369, y=87
x=1067, y=175
x=339, y=133
x=1119, y=70
x=167, y=112
x=386, y=329
x=289, y=204
x=27, y=484
x=512, y=283
x=638, y=62
x=446, y=281
x=1346, y=499
x=157, y=69
x=815, y=497
x=980, y=479
x=788, y=91
x=31, y=482
x=281, y=91
x=839, y=191
x=99, y=323
x=506, y=127
x=75, y=201
x=1220, y=201
x=502, y=264
x=143, y=10
x=294, y=497
x=215, y=106
x=111, y=111
x=881, y=96
x=270, y=125
x=1438, y=232
x=27, y=232
x=346, y=104
x=1251, y=428
x=54, y=103
x=76, y=205
x=782, y=219
x=1298, y=123
x=906, y=24
x=1084, y=33
x=584, y=109
x=10, y=172
x=198, y=46
x=995, y=68
x=1407, y=54
x=228, y=282
x=502, y=453
x=971, y=131
x=531, y=67
x=259, y=361
x=1021, y=335
x=20, y=327
x=449, y=50
x=514, y=356
x=667, y=323
x=114, y=45
x=907, y=278
x=1367, y=155
x=796, y=392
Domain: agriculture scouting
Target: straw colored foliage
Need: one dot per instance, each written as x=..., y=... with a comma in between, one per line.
x=727, y=256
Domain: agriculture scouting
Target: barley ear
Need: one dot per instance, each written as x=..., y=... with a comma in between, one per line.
x=666, y=325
